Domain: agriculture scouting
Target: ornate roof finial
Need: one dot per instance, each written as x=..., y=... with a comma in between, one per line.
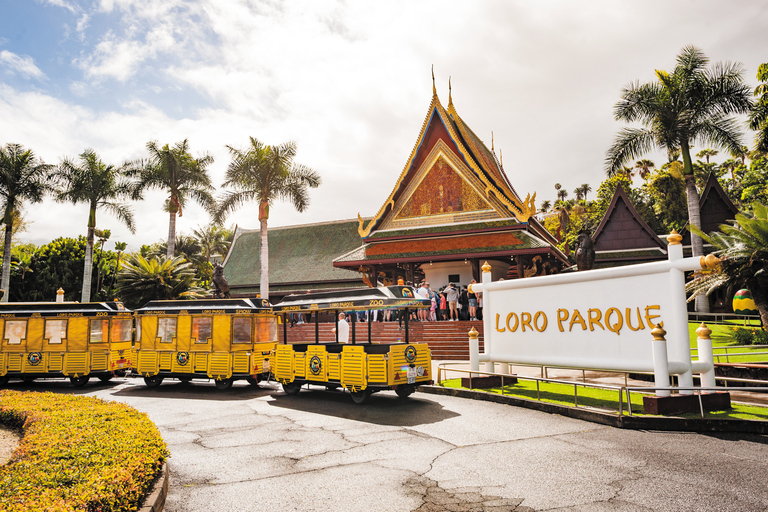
x=492, y=149
x=501, y=159
x=434, y=89
x=450, y=99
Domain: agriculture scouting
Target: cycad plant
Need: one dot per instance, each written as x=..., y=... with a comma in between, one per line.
x=743, y=250
x=142, y=280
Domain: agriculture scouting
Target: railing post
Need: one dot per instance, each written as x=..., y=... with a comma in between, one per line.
x=474, y=351
x=487, y=325
x=706, y=356
x=660, y=361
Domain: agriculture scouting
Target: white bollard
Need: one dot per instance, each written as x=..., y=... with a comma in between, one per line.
x=660, y=361
x=706, y=356
x=60, y=295
x=474, y=351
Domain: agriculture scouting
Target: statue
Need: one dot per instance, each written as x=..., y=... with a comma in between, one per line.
x=585, y=251
x=220, y=284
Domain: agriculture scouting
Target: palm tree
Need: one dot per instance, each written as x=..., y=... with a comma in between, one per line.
x=212, y=240
x=758, y=118
x=22, y=178
x=743, y=250
x=644, y=167
x=184, y=177
x=99, y=185
x=142, y=280
x=578, y=192
x=119, y=247
x=586, y=188
x=545, y=206
x=265, y=174
x=691, y=104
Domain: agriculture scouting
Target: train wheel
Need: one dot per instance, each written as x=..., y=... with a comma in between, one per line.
x=404, y=391
x=253, y=381
x=79, y=382
x=360, y=397
x=106, y=378
x=224, y=384
x=153, y=381
x=292, y=388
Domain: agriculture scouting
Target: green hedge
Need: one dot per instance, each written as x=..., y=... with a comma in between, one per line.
x=77, y=454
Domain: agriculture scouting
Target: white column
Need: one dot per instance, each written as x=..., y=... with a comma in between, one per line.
x=706, y=356
x=660, y=361
x=680, y=347
x=487, y=327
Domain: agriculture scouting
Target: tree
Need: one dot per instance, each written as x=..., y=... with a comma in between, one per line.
x=758, y=118
x=743, y=250
x=644, y=167
x=99, y=185
x=182, y=176
x=586, y=188
x=212, y=240
x=265, y=174
x=707, y=153
x=22, y=178
x=545, y=206
x=692, y=104
x=666, y=188
x=142, y=280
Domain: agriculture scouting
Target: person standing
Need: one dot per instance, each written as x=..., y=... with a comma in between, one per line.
x=343, y=327
x=443, y=306
x=464, y=304
x=472, y=302
x=452, y=296
x=423, y=292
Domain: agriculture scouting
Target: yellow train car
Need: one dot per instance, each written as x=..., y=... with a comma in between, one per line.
x=220, y=339
x=360, y=367
x=61, y=339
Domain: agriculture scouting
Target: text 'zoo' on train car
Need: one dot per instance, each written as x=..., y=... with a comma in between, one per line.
x=361, y=368
x=64, y=339
x=220, y=339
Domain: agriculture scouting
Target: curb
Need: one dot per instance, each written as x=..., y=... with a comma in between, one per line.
x=155, y=501
x=613, y=420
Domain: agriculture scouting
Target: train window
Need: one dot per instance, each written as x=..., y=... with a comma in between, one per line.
x=266, y=329
x=241, y=329
x=201, y=328
x=166, y=329
x=99, y=330
x=15, y=331
x=121, y=330
x=55, y=331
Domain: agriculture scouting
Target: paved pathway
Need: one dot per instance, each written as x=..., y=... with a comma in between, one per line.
x=252, y=449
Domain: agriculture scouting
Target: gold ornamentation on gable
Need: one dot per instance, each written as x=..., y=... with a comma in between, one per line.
x=442, y=191
x=528, y=208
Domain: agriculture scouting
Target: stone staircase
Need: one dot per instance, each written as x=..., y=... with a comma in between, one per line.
x=447, y=340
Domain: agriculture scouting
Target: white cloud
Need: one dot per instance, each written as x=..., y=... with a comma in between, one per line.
x=62, y=3
x=22, y=65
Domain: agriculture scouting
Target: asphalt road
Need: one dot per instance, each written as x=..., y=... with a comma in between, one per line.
x=249, y=449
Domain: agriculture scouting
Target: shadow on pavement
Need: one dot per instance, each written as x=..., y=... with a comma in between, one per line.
x=382, y=408
x=59, y=385
x=196, y=390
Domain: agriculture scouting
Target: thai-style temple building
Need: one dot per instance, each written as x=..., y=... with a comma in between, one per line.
x=451, y=209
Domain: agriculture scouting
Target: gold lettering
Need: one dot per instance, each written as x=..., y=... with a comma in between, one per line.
x=619, y=320
x=561, y=318
x=497, y=324
x=639, y=320
x=649, y=317
x=525, y=319
x=577, y=318
x=540, y=314
x=594, y=319
x=517, y=322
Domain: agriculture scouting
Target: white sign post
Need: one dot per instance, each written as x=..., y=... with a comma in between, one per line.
x=599, y=319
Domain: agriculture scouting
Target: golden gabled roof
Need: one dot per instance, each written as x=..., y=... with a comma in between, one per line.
x=477, y=156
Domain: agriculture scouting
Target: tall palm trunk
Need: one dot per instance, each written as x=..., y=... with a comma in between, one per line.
x=694, y=218
x=264, y=259
x=171, y=236
x=88, y=265
x=6, y=280
x=761, y=300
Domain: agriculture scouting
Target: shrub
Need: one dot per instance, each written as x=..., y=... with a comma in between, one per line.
x=760, y=337
x=77, y=453
x=742, y=336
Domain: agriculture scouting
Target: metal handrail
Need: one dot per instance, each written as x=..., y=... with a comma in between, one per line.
x=696, y=390
x=441, y=367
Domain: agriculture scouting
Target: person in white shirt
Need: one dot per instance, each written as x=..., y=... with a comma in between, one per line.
x=423, y=292
x=343, y=328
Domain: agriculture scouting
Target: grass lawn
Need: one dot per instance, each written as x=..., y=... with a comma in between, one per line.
x=563, y=394
x=722, y=336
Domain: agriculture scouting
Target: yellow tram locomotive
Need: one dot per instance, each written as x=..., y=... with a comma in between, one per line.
x=219, y=339
x=361, y=368
x=64, y=339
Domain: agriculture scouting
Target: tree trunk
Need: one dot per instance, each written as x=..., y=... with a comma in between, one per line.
x=88, y=266
x=264, y=259
x=171, y=236
x=694, y=218
x=6, y=279
x=761, y=300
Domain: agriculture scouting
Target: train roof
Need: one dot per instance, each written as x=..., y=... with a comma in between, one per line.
x=63, y=309
x=385, y=297
x=204, y=306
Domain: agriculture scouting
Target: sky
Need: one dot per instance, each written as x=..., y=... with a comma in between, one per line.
x=348, y=81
